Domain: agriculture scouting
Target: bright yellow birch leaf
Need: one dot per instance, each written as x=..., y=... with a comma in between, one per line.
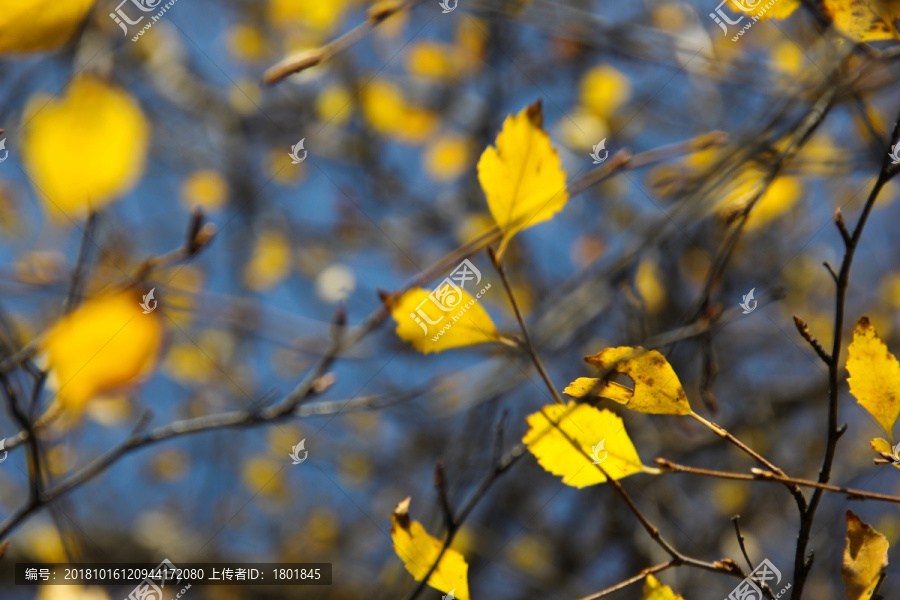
x=600, y=437
x=522, y=176
x=654, y=590
x=864, y=558
x=419, y=551
x=657, y=389
x=37, y=25
x=86, y=149
x=104, y=345
x=422, y=322
x=874, y=376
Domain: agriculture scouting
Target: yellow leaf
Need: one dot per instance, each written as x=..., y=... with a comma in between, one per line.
x=781, y=195
x=309, y=14
x=654, y=590
x=656, y=387
x=422, y=322
x=419, y=551
x=864, y=557
x=35, y=25
x=567, y=440
x=103, y=345
x=864, y=20
x=86, y=149
x=781, y=9
x=522, y=177
x=874, y=376
x=270, y=262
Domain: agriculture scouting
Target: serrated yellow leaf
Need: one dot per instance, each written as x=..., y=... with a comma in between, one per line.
x=103, y=345
x=429, y=328
x=874, y=376
x=36, y=25
x=864, y=557
x=654, y=590
x=419, y=551
x=657, y=389
x=522, y=176
x=86, y=149
x=566, y=440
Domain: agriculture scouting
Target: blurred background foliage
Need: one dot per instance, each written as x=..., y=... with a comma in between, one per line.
x=145, y=131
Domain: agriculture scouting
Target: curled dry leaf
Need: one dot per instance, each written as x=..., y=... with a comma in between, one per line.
x=864, y=558
x=657, y=389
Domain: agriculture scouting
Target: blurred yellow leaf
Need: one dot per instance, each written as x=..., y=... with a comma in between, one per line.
x=35, y=25
x=604, y=89
x=431, y=329
x=588, y=435
x=874, y=376
x=447, y=157
x=521, y=176
x=265, y=477
x=270, y=262
x=71, y=592
x=247, y=42
x=387, y=112
x=207, y=189
x=103, y=345
x=781, y=195
x=657, y=389
x=654, y=590
x=864, y=20
x=334, y=104
x=86, y=149
x=432, y=60
x=864, y=557
x=648, y=282
x=419, y=551
x=310, y=14
x=781, y=9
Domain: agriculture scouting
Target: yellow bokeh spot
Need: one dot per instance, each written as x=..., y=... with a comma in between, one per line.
x=649, y=285
x=103, y=345
x=310, y=14
x=270, y=262
x=247, y=43
x=207, y=189
x=265, y=477
x=447, y=157
x=200, y=360
x=334, y=104
x=86, y=149
x=35, y=25
x=604, y=89
x=431, y=60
